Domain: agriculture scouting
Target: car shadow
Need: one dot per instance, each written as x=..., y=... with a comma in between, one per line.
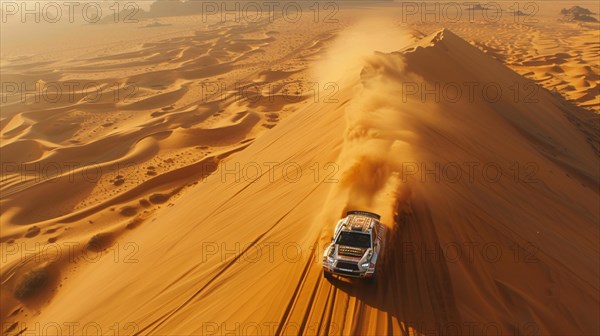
x=413, y=287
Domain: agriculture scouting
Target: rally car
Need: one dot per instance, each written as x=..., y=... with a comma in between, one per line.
x=357, y=245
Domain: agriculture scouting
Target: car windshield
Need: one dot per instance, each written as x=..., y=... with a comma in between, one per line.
x=354, y=239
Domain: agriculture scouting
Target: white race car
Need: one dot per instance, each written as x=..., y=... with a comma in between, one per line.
x=357, y=244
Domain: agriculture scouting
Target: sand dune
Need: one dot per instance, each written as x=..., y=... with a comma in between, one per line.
x=185, y=208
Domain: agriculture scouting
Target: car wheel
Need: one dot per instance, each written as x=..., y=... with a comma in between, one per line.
x=372, y=279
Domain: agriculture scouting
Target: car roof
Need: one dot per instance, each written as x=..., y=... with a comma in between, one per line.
x=359, y=223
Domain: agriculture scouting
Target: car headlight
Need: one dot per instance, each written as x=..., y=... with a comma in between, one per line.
x=365, y=265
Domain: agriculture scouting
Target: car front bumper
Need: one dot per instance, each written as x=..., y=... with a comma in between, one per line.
x=360, y=273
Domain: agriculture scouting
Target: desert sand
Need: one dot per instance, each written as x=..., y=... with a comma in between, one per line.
x=189, y=181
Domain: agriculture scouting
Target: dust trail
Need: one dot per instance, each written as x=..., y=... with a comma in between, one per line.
x=376, y=139
x=346, y=57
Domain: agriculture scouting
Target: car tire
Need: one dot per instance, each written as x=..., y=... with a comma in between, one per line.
x=372, y=279
x=327, y=275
